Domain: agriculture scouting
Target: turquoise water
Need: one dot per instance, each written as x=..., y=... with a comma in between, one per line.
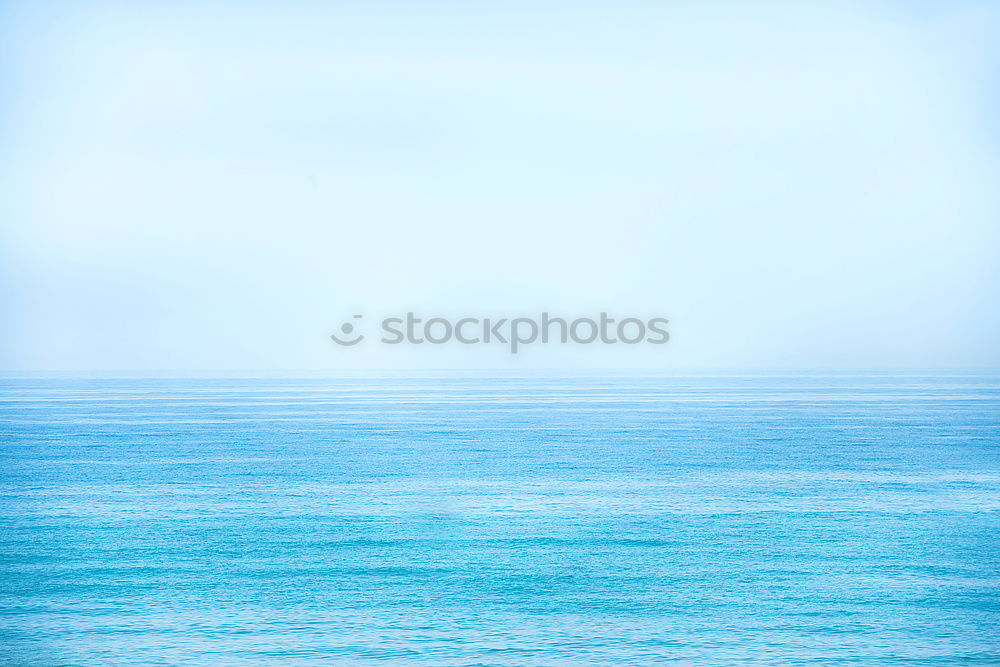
x=501, y=521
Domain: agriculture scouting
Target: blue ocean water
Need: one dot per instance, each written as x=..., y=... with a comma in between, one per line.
x=718, y=520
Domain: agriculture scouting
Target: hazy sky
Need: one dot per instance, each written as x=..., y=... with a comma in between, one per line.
x=189, y=185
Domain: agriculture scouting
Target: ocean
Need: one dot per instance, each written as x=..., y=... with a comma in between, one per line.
x=442, y=520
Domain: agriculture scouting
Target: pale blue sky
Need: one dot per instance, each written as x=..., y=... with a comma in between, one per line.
x=218, y=185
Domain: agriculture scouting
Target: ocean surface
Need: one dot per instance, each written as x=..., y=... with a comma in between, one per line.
x=716, y=520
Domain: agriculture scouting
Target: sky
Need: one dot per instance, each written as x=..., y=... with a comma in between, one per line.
x=190, y=186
